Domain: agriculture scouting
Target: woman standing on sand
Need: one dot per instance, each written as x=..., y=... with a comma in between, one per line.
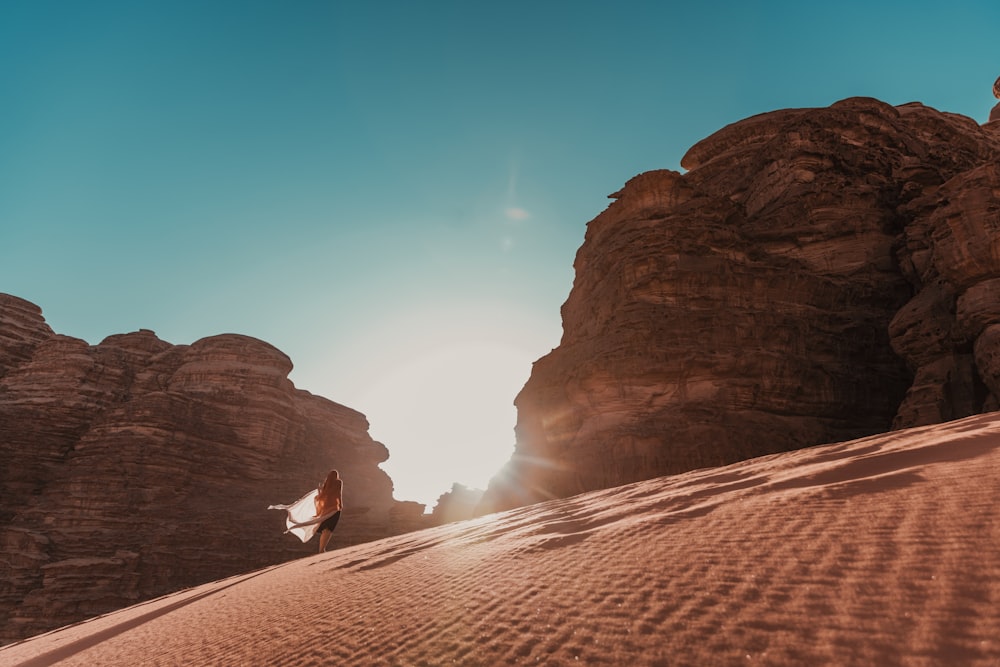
x=329, y=499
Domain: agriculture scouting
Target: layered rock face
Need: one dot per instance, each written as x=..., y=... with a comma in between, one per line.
x=816, y=275
x=135, y=467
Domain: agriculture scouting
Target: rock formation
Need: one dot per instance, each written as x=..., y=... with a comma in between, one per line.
x=995, y=113
x=133, y=468
x=816, y=275
x=458, y=504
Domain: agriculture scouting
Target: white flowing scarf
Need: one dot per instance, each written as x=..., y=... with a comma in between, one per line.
x=301, y=520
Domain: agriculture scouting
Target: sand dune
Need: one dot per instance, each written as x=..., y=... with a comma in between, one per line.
x=880, y=551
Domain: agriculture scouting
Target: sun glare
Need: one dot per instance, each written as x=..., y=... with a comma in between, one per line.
x=516, y=213
x=447, y=416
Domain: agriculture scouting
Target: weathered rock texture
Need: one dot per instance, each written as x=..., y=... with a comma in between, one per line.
x=135, y=467
x=816, y=275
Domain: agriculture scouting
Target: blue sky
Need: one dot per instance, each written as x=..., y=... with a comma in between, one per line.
x=393, y=192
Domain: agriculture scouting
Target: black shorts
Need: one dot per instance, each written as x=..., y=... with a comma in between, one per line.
x=329, y=524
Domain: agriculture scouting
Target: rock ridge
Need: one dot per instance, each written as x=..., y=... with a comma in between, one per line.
x=816, y=275
x=133, y=468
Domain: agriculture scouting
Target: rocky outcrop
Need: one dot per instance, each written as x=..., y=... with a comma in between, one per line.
x=133, y=468
x=995, y=112
x=816, y=275
x=458, y=504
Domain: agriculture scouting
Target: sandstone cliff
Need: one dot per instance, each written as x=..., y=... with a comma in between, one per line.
x=133, y=468
x=816, y=275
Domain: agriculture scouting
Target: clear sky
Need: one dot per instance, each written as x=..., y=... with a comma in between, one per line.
x=393, y=193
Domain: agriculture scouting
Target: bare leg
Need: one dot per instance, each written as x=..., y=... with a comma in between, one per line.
x=324, y=539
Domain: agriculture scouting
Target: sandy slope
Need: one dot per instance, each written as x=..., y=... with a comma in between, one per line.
x=880, y=551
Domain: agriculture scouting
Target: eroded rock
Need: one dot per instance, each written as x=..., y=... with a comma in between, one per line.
x=133, y=468
x=816, y=275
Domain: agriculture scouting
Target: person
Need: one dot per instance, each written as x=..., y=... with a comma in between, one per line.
x=330, y=498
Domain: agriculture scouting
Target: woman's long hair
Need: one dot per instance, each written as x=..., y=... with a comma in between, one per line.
x=328, y=491
x=329, y=483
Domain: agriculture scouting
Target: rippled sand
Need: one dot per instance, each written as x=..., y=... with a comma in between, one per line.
x=880, y=551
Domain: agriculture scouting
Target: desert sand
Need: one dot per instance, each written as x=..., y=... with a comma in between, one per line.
x=879, y=551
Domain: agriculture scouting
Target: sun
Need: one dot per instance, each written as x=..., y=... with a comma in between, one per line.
x=447, y=416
